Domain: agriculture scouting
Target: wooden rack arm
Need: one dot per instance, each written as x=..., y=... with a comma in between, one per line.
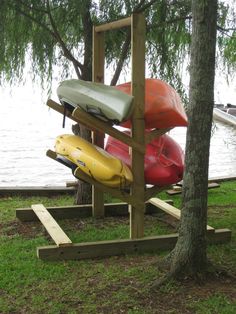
x=155, y=133
x=98, y=125
x=113, y=25
x=149, y=193
x=80, y=116
x=59, y=108
x=122, y=195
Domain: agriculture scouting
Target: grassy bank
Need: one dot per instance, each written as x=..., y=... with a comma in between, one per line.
x=111, y=285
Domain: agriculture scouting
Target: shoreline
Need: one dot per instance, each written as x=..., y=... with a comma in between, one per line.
x=55, y=190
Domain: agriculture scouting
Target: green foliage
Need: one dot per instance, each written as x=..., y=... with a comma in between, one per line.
x=55, y=35
x=109, y=285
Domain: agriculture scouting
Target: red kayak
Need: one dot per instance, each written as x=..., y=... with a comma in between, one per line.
x=164, y=159
x=163, y=106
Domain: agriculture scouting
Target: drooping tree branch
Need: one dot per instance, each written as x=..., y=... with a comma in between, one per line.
x=77, y=65
x=123, y=56
x=88, y=35
x=141, y=7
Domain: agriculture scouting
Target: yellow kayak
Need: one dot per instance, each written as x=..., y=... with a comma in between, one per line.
x=94, y=161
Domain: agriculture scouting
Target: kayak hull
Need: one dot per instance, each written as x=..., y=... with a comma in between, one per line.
x=163, y=106
x=225, y=116
x=105, y=102
x=93, y=161
x=164, y=159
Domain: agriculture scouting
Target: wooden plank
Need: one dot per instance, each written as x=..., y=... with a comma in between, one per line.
x=120, y=194
x=122, y=247
x=97, y=136
x=154, y=134
x=83, y=211
x=36, y=190
x=179, y=190
x=93, y=123
x=138, y=124
x=113, y=25
x=153, y=191
x=60, y=109
x=221, y=179
x=171, y=210
x=50, y=224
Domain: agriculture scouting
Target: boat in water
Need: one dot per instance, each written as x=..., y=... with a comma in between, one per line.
x=226, y=114
x=163, y=106
x=75, y=152
x=164, y=159
x=105, y=102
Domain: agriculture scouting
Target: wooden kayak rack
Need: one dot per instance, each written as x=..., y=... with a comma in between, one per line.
x=139, y=200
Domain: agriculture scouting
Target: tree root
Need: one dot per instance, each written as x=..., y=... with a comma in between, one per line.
x=184, y=274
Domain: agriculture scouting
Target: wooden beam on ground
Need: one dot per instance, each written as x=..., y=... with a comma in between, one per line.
x=178, y=189
x=171, y=210
x=83, y=211
x=122, y=247
x=217, y=179
x=50, y=224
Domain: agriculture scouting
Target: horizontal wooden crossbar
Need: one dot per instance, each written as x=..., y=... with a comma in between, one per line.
x=171, y=210
x=83, y=211
x=113, y=25
x=50, y=224
x=122, y=247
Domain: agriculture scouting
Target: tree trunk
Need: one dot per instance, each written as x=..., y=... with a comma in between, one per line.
x=84, y=191
x=189, y=255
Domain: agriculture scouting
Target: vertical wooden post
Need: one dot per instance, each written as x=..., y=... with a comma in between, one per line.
x=138, y=125
x=97, y=137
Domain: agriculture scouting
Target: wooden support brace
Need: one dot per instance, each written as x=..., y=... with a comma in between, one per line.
x=154, y=134
x=171, y=210
x=83, y=211
x=81, y=116
x=96, y=124
x=122, y=247
x=120, y=194
x=150, y=192
x=50, y=224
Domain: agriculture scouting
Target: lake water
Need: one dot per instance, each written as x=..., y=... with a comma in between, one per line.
x=28, y=128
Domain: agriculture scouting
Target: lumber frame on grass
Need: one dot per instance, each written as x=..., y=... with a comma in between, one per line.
x=138, y=195
x=122, y=247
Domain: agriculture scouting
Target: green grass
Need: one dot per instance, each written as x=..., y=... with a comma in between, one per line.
x=110, y=285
